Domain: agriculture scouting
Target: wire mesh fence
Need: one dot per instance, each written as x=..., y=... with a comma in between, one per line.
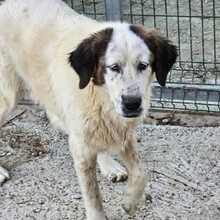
x=93, y=8
x=194, y=26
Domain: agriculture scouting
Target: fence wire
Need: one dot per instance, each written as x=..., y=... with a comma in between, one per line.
x=194, y=26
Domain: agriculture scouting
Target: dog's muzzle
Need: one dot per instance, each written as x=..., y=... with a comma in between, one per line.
x=131, y=106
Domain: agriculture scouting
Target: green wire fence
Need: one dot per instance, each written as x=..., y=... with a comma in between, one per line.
x=194, y=26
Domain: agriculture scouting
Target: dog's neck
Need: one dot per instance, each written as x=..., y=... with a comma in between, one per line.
x=103, y=108
x=105, y=127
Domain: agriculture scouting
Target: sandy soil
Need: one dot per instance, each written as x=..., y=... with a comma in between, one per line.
x=182, y=159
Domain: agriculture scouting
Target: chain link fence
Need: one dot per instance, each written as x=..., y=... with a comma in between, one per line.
x=194, y=26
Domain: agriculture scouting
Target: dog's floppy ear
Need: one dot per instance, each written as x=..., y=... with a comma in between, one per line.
x=164, y=59
x=84, y=59
x=164, y=53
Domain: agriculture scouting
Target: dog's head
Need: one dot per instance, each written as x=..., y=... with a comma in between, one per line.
x=123, y=59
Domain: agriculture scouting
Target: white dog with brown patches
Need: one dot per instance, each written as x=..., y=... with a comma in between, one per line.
x=94, y=79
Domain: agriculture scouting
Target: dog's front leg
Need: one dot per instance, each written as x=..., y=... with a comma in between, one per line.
x=85, y=165
x=136, y=177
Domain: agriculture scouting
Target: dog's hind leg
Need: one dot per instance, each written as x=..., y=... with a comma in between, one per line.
x=9, y=94
x=111, y=169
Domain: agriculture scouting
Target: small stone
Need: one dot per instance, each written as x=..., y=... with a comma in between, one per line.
x=165, y=120
x=37, y=210
x=77, y=197
x=148, y=198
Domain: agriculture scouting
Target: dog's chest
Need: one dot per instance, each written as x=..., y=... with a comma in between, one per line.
x=107, y=134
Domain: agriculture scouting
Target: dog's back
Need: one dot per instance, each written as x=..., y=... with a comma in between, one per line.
x=25, y=23
x=39, y=13
x=31, y=36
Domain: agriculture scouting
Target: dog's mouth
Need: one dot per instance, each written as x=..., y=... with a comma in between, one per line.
x=132, y=114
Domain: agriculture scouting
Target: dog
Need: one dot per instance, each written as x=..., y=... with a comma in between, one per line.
x=94, y=80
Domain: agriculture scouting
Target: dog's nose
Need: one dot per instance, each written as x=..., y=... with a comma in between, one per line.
x=132, y=103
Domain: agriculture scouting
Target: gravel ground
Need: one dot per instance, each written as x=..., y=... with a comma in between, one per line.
x=182, y=162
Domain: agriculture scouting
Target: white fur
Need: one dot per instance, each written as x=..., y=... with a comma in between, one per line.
x=4, y=175
x=111, y=169
x=35, y=42
x=127, y=49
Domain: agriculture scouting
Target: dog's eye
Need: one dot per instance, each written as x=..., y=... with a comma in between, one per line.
x=142, y=66
x=115, y=68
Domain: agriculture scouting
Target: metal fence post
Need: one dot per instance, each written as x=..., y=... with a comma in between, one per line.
x=114, y=10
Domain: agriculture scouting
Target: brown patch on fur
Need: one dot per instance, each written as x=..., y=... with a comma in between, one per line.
x=99, y=48
x=164, y=53
x=149, y=36
x=98, y=75
x=85, y=59
x=101, y=41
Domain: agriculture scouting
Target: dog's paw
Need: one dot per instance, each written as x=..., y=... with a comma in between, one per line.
x=133, y=196
x=130, y=208
x=95, y=215
x=111, y=169
x=119, y=174
x=4, y=175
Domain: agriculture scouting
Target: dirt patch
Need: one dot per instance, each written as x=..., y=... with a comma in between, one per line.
x=182, y=118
